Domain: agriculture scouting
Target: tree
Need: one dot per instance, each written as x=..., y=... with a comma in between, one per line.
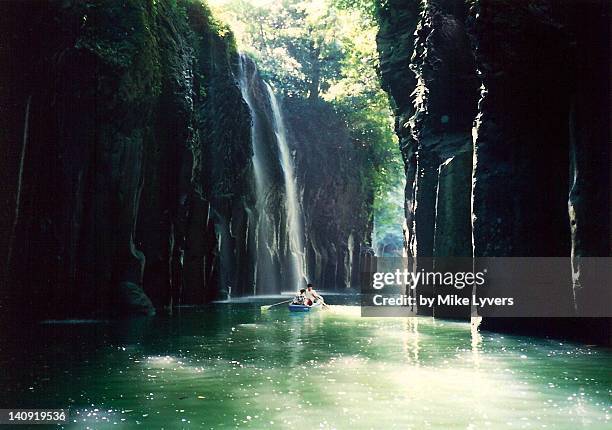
x=294, y=42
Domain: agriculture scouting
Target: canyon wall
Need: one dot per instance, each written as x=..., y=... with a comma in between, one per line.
x=495, y=101
x=336, y=199
x=127, y=155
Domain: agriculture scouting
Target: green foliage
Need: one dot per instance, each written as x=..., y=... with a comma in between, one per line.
x=368, y=8
x=294, y=42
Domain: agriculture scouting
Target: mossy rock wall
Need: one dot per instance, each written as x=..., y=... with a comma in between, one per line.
x=127, y=143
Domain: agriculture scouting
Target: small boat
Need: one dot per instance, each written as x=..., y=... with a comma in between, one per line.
x=304, y=308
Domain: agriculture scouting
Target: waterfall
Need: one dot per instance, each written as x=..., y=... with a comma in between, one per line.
x=271, y=155
x=292, y=206
x=266, y=280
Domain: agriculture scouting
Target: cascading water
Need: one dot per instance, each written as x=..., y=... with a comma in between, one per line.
x=264, y=233
x=271, y=155
x=292, y=206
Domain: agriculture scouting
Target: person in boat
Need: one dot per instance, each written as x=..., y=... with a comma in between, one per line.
x=300, y=298
x=312, y=296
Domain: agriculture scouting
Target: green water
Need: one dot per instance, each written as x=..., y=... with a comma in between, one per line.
x=230, y=366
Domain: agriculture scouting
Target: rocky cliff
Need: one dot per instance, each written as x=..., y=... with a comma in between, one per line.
x=335, y=195
x=434, y=124
x=495, y=101
x=127, y=151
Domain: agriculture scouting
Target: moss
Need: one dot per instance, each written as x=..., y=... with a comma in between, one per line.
x=218, y=103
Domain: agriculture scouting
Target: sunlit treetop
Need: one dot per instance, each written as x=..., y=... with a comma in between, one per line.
x=305, y=46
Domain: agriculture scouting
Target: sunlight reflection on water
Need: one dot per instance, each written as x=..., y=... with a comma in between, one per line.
x=229, y=366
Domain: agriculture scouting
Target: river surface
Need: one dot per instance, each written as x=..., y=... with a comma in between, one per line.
x=229, y=365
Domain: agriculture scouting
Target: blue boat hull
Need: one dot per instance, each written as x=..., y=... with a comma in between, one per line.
x=303, y=308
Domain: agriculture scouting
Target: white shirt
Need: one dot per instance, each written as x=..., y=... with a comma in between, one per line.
x=312, y=295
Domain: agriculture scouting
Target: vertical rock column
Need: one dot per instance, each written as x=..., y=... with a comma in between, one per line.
x=168, y=163
x=589, y=146
x=215, y=241
x=395, y=42
x=521, y=140
x=445, y=99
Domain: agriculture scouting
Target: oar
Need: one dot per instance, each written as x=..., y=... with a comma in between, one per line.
x=265, y=308
x=325, y=305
